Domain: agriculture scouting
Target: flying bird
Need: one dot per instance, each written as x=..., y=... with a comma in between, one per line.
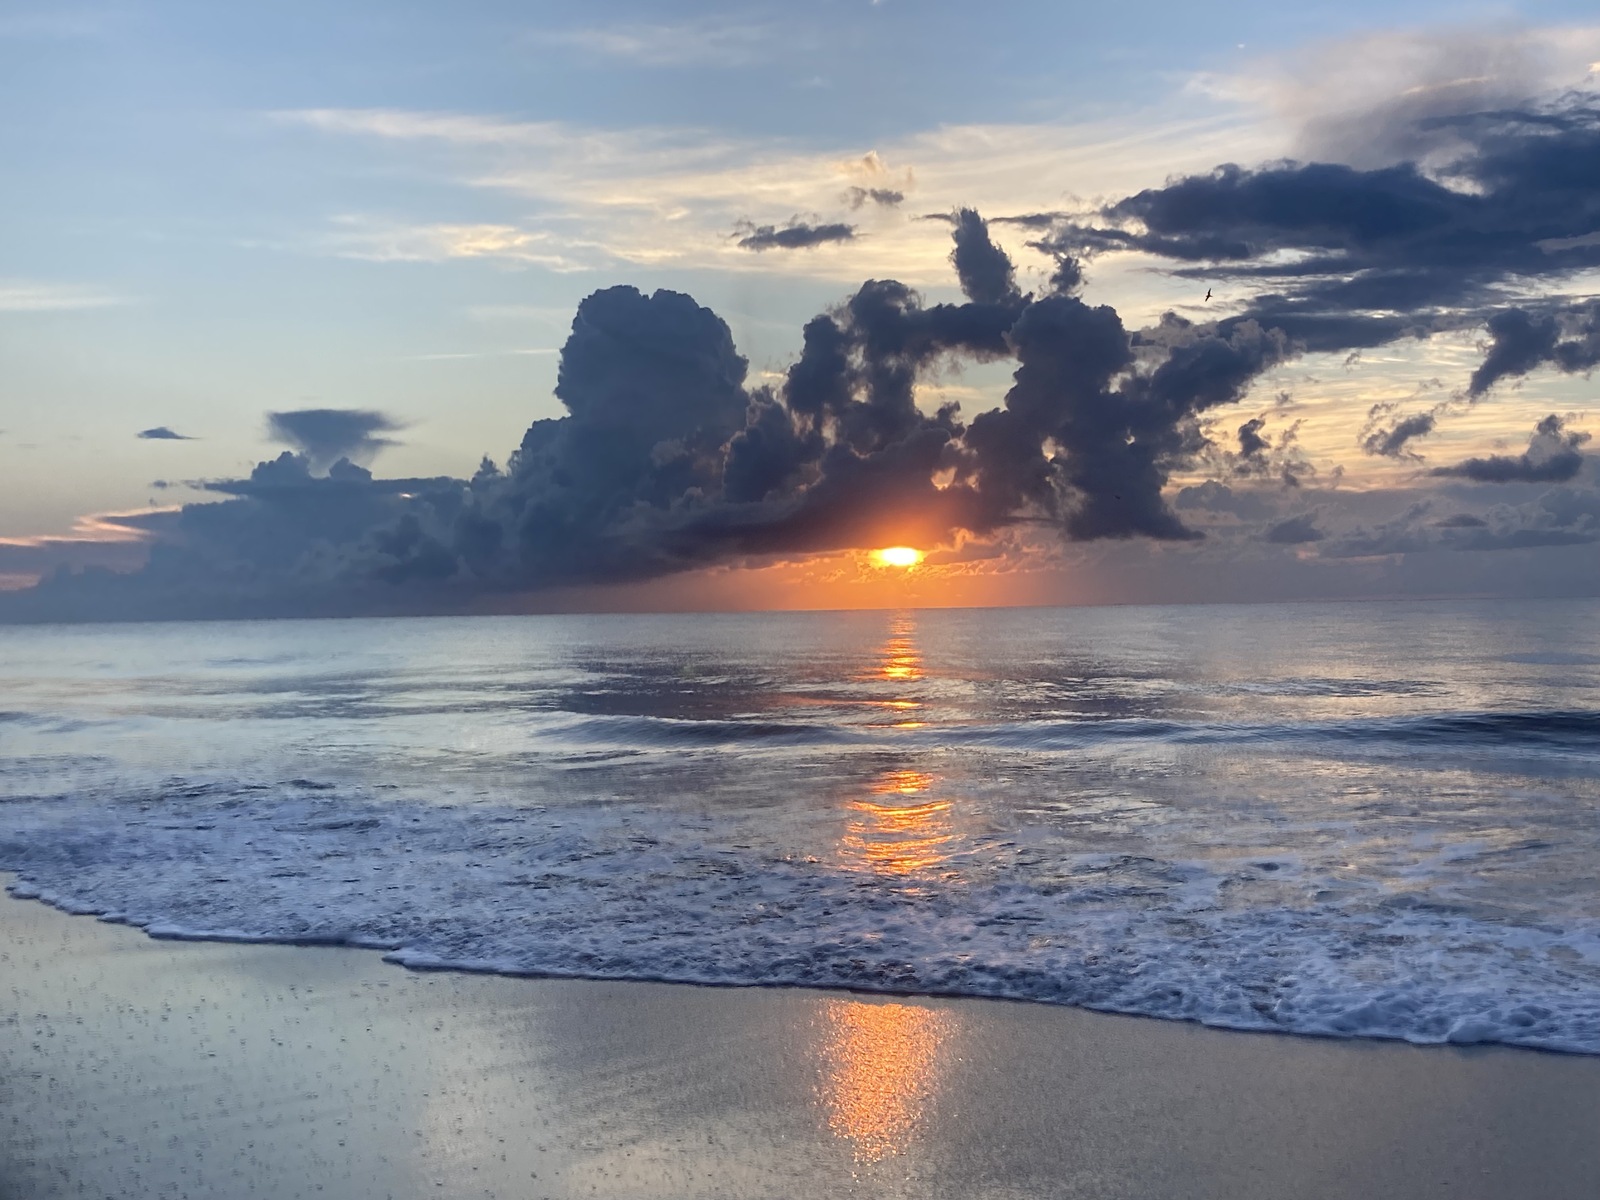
x=1208, y=294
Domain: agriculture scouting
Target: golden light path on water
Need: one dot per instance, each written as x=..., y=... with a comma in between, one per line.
x=881, y=1060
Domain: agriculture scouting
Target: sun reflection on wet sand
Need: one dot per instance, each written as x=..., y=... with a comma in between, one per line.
x=881, y=1064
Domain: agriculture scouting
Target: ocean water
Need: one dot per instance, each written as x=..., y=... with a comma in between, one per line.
x=1346, y=819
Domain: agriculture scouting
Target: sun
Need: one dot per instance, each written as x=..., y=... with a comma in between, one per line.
x=897, y=556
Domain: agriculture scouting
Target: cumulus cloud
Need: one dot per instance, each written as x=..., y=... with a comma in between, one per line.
x=1552, y=456
x=668, y=458
x=325, y=435
x=1561, y=517
x=796, y=235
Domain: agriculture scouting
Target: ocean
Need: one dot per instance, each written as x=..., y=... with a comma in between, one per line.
x=1351, y=820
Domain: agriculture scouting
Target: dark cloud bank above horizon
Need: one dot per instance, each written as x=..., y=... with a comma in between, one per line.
x=668, y=459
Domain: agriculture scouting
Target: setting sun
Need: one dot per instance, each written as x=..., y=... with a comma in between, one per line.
x=897, y=556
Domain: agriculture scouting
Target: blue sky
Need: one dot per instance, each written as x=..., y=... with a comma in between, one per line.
x=215, y=211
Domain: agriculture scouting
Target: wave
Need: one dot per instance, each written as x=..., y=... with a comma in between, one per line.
x=631, y=893
x=1576, y=731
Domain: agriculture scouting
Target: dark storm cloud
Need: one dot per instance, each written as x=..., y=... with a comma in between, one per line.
x=1552, y=456
x=666, y=459
x=797, y=235
x=986, y=273
x=1337, y=253
x=325, y=435
x=162, y=434
x=1522, y=340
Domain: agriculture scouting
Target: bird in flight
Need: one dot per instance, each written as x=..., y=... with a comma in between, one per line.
x=1208, y=294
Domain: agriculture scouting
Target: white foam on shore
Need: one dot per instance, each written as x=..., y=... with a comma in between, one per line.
x=622, y=892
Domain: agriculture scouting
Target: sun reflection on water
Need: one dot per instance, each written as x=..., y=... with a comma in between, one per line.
x=881, y=1069
x=900, y=660
x=897, y=829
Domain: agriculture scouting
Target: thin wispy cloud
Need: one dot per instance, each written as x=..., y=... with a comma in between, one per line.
x=667, y=197
x=709, y=42
x=25, y=296
x=1377, y=98
x=377, y=239
x=450, y=355
x=99, y=528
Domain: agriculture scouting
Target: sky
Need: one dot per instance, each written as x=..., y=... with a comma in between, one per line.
x=703, y=283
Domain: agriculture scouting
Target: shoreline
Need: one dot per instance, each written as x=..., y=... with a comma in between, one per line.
x=396, y=954
x=135, y=1066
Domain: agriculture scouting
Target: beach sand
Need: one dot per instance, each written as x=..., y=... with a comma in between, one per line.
x=133, y=1068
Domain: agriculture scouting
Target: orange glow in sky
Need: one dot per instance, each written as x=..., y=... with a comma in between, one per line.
x=897, y=556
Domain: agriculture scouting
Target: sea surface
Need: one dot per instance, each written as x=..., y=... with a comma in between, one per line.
x=1370, y=819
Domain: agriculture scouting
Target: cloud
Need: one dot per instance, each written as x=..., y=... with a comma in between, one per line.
x=381, y=240
x=597, y=197
x=796, y=235
x=884, y=197
x=1552, y=456
x=25, y=296
x=669, y=458
x=1560, y=518
x=1389, y=437
x=1522, y=340
x=1294, y=531
x=1339, y=257
x=1212, y=496
x=985, y=271
x=325, y=435
x=709, y=42
x=98, y=542
x=162, y=434
x=1385, y=97
x=1251, y=444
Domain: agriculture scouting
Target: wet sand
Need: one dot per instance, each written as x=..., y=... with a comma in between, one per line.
x=133, y=1068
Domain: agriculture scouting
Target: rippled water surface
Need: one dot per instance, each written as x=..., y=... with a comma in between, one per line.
x=1365, y=819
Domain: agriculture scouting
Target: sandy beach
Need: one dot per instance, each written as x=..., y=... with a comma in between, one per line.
x=131, y=1067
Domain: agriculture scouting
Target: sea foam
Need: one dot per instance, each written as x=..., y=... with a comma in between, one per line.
x=626, y=892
